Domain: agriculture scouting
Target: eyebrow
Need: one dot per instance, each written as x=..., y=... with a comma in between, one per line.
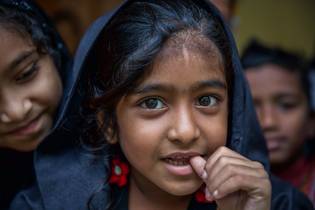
x=20, y=58
x=288, y=95
x=209, y=84
x=162, y=87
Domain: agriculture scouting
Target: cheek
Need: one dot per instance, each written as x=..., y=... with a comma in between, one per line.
x=49, y=89
x=294, y=126
x=139, y=137
x=215, y=131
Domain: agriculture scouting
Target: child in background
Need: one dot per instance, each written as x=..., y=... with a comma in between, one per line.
x=170, y=120
x=312, y=82
x=32, y=59
x=281, y=91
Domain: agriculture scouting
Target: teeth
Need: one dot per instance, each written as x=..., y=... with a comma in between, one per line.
x=177, y=162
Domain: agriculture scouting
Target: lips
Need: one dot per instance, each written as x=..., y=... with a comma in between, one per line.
x=275, y=143
x=180, y=159
x=27, y=128
x=178, y=163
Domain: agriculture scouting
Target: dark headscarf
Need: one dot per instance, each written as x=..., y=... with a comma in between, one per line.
x=67, y=178
x=16, y=168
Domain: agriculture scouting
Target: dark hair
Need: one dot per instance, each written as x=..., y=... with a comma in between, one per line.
x=26, y=24
x=256, y=55
x=128, y=45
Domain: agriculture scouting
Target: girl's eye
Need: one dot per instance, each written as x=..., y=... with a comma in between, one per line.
x=287, y=105
x=152, y=103
x=28, y=74
x=207, y=101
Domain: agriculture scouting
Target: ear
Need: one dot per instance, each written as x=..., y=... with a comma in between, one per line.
x=108, y=131
x=110, y=135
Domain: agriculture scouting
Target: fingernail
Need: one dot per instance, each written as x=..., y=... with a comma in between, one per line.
x=208, y=195
x=4, y=118
x=204, y=175
x=215, y=193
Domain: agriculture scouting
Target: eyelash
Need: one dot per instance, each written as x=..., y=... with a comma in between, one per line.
x=212, y=97
x=143, y=101
x=28, y=74
x=143, y=104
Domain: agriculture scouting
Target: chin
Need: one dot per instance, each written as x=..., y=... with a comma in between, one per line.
x=28, y=147
x=183, y=189
x=278, y=160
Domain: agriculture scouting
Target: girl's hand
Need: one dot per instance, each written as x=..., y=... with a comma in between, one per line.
x=233, y=181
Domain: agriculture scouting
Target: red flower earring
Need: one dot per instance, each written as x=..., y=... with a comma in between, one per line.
x=119, y=173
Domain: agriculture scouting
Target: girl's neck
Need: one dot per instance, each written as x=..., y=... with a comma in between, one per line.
x=150, y=197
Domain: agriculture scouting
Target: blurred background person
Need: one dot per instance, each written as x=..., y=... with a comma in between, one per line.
x=312, y=81
x=280, y=88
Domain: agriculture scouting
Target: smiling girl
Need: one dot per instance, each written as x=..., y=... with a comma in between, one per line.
x=32, y=57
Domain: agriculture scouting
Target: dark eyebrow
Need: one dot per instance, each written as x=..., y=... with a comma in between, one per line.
x=152, y=87
x=161, y=87
x=287, y=95
x=23, y=56
x=215, y=83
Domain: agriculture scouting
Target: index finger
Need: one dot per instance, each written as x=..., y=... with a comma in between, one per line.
x=198, y=164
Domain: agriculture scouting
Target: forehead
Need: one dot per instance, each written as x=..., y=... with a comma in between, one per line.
x=190, y=48
x=182, y=68
x=11, y=35
x=272, y=78
x=13, y=46
x=192, y=41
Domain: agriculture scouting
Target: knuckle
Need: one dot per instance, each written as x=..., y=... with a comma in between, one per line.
x=237, y=178
x=221, y=149
x=222, y=160
x=230, y=168
x=258, y=164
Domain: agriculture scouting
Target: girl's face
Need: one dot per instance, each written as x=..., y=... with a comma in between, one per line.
x=282, y=109
x=30, y=90
x=178, y=111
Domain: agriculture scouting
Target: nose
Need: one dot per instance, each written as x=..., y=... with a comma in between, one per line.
x=14, y=109
x=184, y=127
x=268, y=118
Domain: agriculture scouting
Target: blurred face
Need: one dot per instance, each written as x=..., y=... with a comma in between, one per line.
x=282, y=109
x=30, y=90
x=178, y=111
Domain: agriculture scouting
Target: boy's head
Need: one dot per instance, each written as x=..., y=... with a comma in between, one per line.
x=280, y=88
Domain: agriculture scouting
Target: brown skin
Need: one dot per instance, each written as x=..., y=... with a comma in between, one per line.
x=233, y=181
x=30, y=92
x=283, y=112
x=180, y=107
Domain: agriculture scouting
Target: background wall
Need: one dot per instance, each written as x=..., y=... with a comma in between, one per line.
x=72, y=17
x=286, y=23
